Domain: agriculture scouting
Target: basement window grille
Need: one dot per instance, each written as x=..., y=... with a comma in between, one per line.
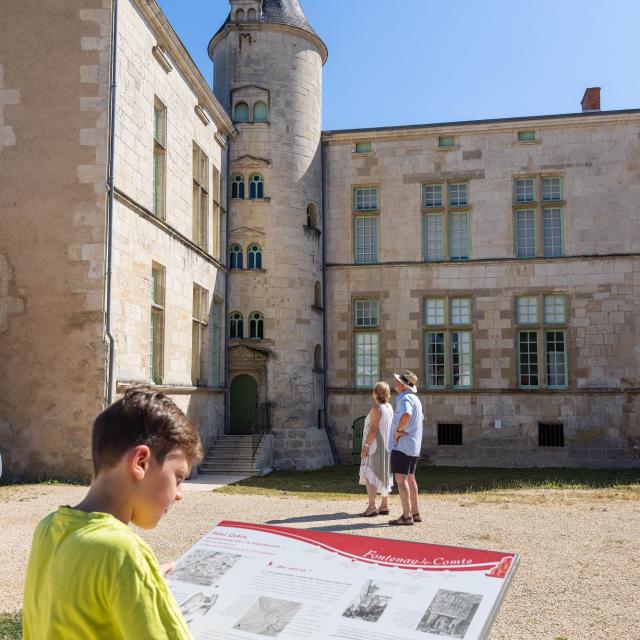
x=449, y=434
x=550, y=434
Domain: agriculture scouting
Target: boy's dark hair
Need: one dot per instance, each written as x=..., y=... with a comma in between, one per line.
x=142, y=416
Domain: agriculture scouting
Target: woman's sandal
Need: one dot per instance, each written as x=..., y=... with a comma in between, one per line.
x=369, y=514
x=383, y=512
x=416, y=517
x=402, y=521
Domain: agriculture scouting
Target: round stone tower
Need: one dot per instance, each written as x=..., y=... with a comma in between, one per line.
x=268, y=75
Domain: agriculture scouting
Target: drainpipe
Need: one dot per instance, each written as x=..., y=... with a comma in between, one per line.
x=227, y=399
x=111, y=200
x=325, y=357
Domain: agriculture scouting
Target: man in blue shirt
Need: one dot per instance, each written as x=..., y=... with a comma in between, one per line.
x=405, y=443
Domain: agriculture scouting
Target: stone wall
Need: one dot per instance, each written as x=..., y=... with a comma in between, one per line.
x=598, y=158
x=53, y=151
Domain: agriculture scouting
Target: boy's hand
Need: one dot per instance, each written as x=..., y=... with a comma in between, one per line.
x=166, y=568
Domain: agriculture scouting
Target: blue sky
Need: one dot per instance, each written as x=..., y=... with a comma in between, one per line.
x=421, y=61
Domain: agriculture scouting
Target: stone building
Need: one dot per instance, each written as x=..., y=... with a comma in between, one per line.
x=266, y=273
x=112, y=228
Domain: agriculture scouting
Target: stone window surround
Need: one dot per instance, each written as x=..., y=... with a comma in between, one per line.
x=199, y=337
x=247, y=187
x=250, y=95
x=445, y=211
x=538, y=205
x=448, y=328
x=541, y=326
x=157, y=321
x=355, y=330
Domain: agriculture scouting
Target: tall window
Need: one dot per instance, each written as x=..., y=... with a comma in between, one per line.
x=217, y=194
x=539, y=204
x=260, y=112
x=200, y=357
x=256, y=187
x=237, y=187
x=216, y=343
x=241, y=112
x=236, y=325
x=365, y=232
x=366, y=199
x=312, y=216
x=448, y=342
x=445, y=221
x=254, y=257
x=542, y=341
x=200, y=197
x=159, y=158
x=235, y=257
x=366, y=322
x=256, y=326
x=156, y=331
x=317, y=358
x=317, y=295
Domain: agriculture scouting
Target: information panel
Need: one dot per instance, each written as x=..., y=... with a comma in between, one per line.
x=259, y=581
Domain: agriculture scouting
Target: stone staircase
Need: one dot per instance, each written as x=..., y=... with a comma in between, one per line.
x=233, y=455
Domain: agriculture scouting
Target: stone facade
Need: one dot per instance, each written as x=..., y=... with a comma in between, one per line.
x=54, y=197
x=597, y=157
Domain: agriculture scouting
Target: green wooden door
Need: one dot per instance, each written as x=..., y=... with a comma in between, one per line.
x=244, y=404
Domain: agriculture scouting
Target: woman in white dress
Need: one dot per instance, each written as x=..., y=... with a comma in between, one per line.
x=375, y=471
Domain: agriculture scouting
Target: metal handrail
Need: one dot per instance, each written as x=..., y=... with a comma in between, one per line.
x=261, y=425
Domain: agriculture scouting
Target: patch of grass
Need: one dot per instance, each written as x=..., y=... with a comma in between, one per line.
x=342, y=482
x=10, y=626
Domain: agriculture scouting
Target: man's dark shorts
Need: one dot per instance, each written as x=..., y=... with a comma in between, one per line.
x=403, y=464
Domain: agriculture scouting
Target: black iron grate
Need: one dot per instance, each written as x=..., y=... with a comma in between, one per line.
x=449, y=434
x=550, y=434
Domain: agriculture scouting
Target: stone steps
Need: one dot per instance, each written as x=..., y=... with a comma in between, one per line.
x=230, y=455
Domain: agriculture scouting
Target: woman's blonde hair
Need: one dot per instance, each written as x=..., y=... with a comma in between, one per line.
x=381, y=392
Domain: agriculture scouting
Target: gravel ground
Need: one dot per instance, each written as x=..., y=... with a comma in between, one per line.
x=579, y=575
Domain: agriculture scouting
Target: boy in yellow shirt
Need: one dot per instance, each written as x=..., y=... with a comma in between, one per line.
x=90, y=576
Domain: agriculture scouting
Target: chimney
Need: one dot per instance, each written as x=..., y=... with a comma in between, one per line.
x=591, y=99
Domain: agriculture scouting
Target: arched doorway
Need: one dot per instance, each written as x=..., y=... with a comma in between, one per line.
x=244, y=404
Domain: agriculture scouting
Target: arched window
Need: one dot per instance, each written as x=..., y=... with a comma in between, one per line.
x=251, y=14
x=240, y=15
x=241, y=112
x=254, y=257
x=236, y=325
x=256, y=326
x=317, y=358
x=312, y=216
x=260, y=112
x=317, y=298
x=237, y=188
x=256, y=187
x=235, y=257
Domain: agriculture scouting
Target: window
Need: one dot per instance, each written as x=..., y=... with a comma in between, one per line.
x=366, y=318
x=251, y=14
x=200, y=197
x=235, y=257
x=256, y=326
x=317, y=358
x=542, y=341
x=241, y=112
x=260, y=112
x=526, y=136
x=312, y=216
x=156, y=333
x=550, y=434
x=236, y=325
x=216, y=343
x=446, y=141
x=365, y=231
x=240, y=15
x=159, y=158
x=256, y=187
x=448, y=340
x=449, y=434
x=199, y=344
x=317, y=296
x=446, y=233
x=365, y=199
x=254, y=257
x=217, y=193
x=538, y=216
x=237, y=187
x=363, y=147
